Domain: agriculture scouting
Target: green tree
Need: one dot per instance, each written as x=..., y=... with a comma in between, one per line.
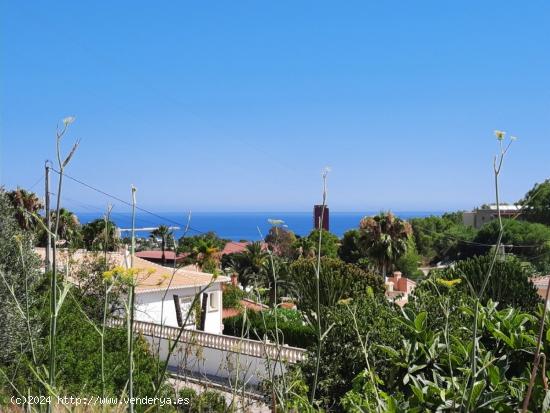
x=408, y=263
x=337, y=280
x=188, y=244
x=350, y=249
x=509, y=284
x=536, y=203
x=441, y=238
x=304, y=247
x=98, y=238
x=280, y=241
x=329, y=243
x=442, y=298
x=529, y=241
x=431, y=370
x=250, y=264
x=385, y=238
x=205, y=254
x=69, y=230
x=165, y=235
x=25, y=204
x=292, y=328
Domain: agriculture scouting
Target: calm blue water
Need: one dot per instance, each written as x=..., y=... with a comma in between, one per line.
x=238, y=226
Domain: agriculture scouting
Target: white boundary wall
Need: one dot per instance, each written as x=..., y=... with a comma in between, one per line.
x=225, y=357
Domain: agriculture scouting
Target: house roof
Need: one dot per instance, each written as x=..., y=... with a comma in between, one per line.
x=235, y=247
x=157, y=255
x=540, y=281
x=245, y=303
x=151, y=277
x=503, y=208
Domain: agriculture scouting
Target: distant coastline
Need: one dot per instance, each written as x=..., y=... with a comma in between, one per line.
x=238, y=226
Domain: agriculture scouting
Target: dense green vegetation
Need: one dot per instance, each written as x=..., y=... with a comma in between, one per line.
x=509, y=284
x=293, y=330
x=441, y=238
x=529, y=241
x=337, y=280
x=25, y=320
x=536, y=203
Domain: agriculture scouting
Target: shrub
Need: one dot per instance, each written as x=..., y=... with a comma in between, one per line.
x=232, y=296
x=293, y=330
x=207, y=402
x=338, y=280
x=509, y=284
x=79, y=358
x=212, y=402
x=15, y=244
x=190, y=395
x=342, y=355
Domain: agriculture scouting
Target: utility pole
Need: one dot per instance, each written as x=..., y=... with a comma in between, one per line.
x=48, y=217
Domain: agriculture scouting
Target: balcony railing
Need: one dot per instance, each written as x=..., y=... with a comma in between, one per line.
x=245, y=346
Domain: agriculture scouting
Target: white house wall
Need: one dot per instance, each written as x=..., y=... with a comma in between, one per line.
x=148, y=308
x=212, y=362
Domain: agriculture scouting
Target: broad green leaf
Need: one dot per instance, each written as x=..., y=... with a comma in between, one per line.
x=418, y=393
x=476, y=392
x=420, y=321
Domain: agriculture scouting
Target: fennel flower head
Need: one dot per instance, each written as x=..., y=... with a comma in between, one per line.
x=276, y=222
x=500, y=134
x=448, y=283
x=68, y=120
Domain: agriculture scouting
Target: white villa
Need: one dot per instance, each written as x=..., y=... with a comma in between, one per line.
x=165, y=291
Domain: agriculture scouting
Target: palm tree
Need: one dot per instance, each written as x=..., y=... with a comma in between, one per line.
x=251, y=263
x=93, y=234
x=165, y=234
x=384, y=237
x=69, y=229
x=206, y=255
x=26, y=204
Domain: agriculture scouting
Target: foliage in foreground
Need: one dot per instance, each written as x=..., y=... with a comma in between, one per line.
x=356, y=325
x=433, y=369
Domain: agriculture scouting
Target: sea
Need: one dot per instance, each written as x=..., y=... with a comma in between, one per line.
x=238, y=226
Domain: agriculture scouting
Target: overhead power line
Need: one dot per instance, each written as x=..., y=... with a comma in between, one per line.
x=166, y=219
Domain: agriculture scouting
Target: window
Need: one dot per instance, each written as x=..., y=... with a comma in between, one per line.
x=213, y=301
x=186, y=306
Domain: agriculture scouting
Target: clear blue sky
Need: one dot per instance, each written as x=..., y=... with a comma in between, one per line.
x=238, y=105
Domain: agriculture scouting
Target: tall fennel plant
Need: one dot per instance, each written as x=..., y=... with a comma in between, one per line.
x=317, y=286
x=498, y=162
x=62, y=163
x=130, y=309
x=107, y=286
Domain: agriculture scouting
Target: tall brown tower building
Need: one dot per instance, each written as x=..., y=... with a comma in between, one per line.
x=317, y=213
